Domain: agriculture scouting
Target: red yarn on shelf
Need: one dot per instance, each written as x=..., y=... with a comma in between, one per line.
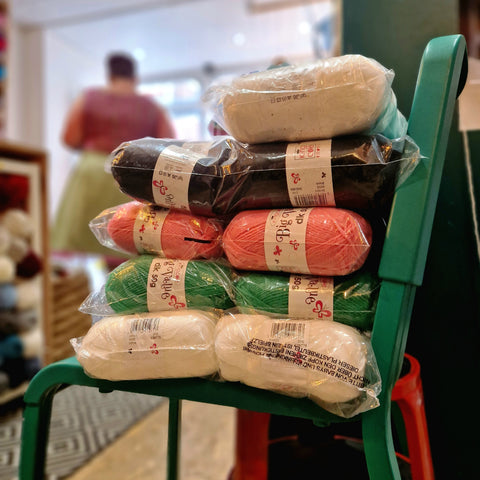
x=14, y=191
x=337, y=241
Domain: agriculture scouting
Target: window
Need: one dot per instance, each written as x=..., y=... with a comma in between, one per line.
x=182, y=99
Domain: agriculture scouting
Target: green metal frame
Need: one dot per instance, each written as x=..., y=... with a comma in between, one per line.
x=441, y=76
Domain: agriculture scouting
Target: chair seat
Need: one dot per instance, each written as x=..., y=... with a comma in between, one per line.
x=232, y=394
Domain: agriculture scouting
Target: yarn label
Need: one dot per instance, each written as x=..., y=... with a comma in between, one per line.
x=309, y=173
x=166, y=285
x=171, y=177
x=147, y=230
x=284, y=240
x=291, y=342
x=142, y=330
x=310, y=297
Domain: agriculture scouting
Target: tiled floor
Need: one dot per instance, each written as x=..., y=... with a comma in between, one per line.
x=207, y=443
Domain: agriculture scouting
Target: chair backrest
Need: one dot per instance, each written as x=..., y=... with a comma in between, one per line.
x=441, y=77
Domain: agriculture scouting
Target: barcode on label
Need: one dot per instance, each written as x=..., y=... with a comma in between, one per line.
x=144, y=325
x=288, y=329
x=311, y=200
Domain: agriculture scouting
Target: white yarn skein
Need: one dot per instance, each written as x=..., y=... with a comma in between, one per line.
x=175, y=344
x=350, y=91
x=32, y=342
x=7, y=269
x=29, y=294
x=18, y=249
x=242, y=348
x=18, y=222
x=5, y=240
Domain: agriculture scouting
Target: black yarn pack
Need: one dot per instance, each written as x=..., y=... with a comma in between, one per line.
x=234, y=176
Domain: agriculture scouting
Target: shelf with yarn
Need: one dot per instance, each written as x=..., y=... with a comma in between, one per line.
x=24, y=267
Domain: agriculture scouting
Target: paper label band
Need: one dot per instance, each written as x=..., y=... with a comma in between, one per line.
x=141, y=333
x=166, y=285
x=284, y=240
x=147, y=230
x=171, y=177
x=310, y=297
x=309, y=173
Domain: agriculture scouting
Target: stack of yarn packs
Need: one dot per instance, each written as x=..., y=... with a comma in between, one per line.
x=21, y=337
x=249, y=252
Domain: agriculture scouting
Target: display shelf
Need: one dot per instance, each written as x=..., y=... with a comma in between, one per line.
x=31, y=164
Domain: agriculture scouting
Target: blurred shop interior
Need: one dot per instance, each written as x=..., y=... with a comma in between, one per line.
x=51, y=50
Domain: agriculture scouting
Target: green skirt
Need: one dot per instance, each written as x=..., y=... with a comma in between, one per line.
x=88, y=191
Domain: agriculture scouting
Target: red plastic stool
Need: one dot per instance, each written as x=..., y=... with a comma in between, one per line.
x=408, y=394
x=252, y=441
x=251, y=453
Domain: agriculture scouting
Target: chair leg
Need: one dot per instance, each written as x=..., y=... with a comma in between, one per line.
x=174, y=431
x=35, y=432
x=377, y=436
x=408, y=394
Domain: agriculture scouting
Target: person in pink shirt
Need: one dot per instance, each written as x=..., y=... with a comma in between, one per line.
x=99, y=120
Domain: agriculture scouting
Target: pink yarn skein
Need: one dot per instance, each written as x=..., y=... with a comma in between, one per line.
x=182, y=236
x=337, y=241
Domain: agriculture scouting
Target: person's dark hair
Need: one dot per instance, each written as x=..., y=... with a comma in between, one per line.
x=121, y=65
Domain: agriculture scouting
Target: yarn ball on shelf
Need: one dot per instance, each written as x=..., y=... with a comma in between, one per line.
x=7, y=269
x=29, y=294
x=18, y=222
x=14, y=190
x=8, y=296
x=14, y=321
x=30, y=265
x=5, y=240
x=21, y=369
x=11, y=346
x=18, y=248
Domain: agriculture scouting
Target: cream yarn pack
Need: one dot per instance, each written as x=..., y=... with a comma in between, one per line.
x=330, y=363
x=174, y=344
x=327, y=98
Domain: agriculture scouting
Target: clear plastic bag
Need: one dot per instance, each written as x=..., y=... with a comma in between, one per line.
x=330, y=363
x=224, y=176
x=323, y=241
x=149, y=345
x=351, y=300
x=149, y=283
x=138, y=228
x=322, y=99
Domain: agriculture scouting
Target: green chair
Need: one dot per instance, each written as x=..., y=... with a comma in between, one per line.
x=441, y=78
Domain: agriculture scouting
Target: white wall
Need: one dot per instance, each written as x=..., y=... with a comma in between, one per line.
x=67, y=71
x=25, y=95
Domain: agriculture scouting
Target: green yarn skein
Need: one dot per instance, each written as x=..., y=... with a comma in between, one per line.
x=207, y=285
x=354, y=297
